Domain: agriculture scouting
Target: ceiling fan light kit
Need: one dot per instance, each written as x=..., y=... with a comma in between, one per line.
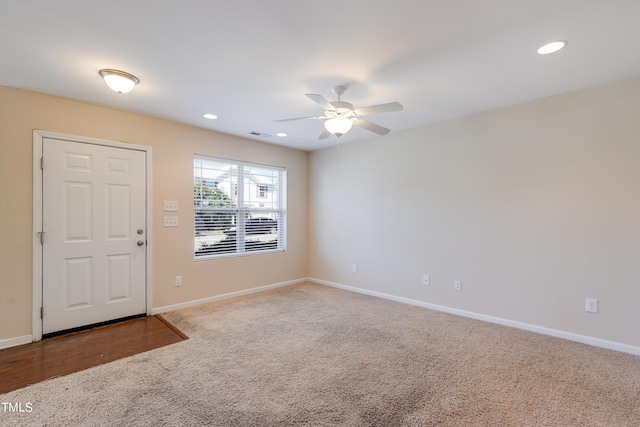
x=340, y=116
x=119, y=81
x=338, y=126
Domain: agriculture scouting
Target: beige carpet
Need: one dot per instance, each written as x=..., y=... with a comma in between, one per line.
x=318, y=356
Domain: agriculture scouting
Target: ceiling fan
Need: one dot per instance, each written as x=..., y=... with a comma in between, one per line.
x=339, y=115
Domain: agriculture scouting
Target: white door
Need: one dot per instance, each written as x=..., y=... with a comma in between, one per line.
x=93, y=218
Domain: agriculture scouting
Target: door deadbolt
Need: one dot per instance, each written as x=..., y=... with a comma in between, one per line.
x=140, y=231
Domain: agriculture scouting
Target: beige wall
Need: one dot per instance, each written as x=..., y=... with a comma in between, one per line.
x=173, y=148
x=533, y=207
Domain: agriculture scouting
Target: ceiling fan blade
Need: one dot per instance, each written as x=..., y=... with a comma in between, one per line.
x=371, y=127
x=321, y=101
x=380, y=108
x=325, y=134
x=302, y=118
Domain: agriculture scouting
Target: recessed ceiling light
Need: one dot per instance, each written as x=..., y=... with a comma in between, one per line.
x=552, y=47
x=210, y=116
x=281, y=134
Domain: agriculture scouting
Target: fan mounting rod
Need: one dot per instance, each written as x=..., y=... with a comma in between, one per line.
x=339, y=90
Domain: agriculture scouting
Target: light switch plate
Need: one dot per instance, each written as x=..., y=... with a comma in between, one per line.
x=170, y=221
x=170, y=206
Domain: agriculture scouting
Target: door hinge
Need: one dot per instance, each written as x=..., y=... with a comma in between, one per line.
x=41, y=237
x=42, y=312
x=42, y=163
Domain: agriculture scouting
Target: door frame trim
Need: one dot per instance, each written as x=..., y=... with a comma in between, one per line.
x=37, y=253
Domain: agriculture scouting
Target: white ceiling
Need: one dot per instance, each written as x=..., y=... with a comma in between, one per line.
x=252, y=61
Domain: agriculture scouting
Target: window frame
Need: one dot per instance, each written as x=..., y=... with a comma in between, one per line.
x=240, y=241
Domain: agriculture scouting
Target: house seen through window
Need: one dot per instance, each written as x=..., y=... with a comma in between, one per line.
x=239, y=207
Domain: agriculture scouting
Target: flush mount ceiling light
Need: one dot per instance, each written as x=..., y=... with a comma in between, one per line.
x=281, y=134
x=339, y=125
x=119, y=81
x=210, y=116
x=552, y=47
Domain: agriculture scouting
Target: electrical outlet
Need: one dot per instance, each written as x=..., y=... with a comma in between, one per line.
x=591, y=305
x=170, y=206
x=425, y=279
x=354, y=268
x=178, y=281
x=457, y=285
x=170, y=221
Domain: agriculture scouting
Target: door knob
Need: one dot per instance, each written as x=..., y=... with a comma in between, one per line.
x=140, y=242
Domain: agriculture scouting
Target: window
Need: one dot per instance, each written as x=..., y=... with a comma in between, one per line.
x=239, y=207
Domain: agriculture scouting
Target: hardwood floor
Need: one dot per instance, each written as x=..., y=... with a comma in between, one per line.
x=61, y=355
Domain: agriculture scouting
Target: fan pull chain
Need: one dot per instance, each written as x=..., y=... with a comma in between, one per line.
x=338, y=150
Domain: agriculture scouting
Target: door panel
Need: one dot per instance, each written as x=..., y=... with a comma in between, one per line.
x=118, y=207
x=118, y=281
x=77, y=198
x=77, y=280
x=94, y=201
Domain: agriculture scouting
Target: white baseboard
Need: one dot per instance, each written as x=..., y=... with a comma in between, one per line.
x=597, y=342
x=13, y=342
x=159, y=310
